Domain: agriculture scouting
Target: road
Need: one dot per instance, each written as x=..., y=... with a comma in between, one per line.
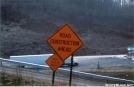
x=108, y=61
x=91, y=62
x=79, y=82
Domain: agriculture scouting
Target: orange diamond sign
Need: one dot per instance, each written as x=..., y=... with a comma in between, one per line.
x=65, y=42
x=54, y=62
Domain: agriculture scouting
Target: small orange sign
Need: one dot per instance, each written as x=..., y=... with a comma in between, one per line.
x=65, y=42
x=54, y=62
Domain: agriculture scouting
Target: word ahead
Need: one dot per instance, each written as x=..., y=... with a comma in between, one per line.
x=65, y=42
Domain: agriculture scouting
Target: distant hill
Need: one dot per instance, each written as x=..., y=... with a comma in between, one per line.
x=116, y=14
x=25, y=28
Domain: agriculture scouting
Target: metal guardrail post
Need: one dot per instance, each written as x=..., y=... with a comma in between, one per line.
x=1, y=63
x=107, y=81
x=19, y=67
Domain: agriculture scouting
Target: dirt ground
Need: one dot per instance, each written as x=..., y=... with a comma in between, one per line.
x=29, y=37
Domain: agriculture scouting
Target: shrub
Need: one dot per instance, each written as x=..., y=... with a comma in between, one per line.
x=10, y=14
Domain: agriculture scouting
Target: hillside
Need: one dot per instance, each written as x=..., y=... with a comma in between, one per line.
x=29, y=37
x=104, y=26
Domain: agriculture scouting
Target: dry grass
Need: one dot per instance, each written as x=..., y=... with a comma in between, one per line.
x=124, y=73
x=10, y=80
x=16, y=79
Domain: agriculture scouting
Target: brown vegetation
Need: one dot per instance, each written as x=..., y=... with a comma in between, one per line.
x=22, y=35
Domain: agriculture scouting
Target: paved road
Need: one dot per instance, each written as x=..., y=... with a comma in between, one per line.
x=91, y=62
x=79, y=82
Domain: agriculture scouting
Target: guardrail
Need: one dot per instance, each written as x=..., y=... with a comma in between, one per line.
x=90, y=75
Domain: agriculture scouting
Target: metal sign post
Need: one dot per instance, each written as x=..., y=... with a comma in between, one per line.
x=71, y=67
x=53, y=78
x=54, y=62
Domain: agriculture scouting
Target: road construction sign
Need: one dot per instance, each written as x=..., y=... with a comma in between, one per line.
x=65, y=42
x=54, y=62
